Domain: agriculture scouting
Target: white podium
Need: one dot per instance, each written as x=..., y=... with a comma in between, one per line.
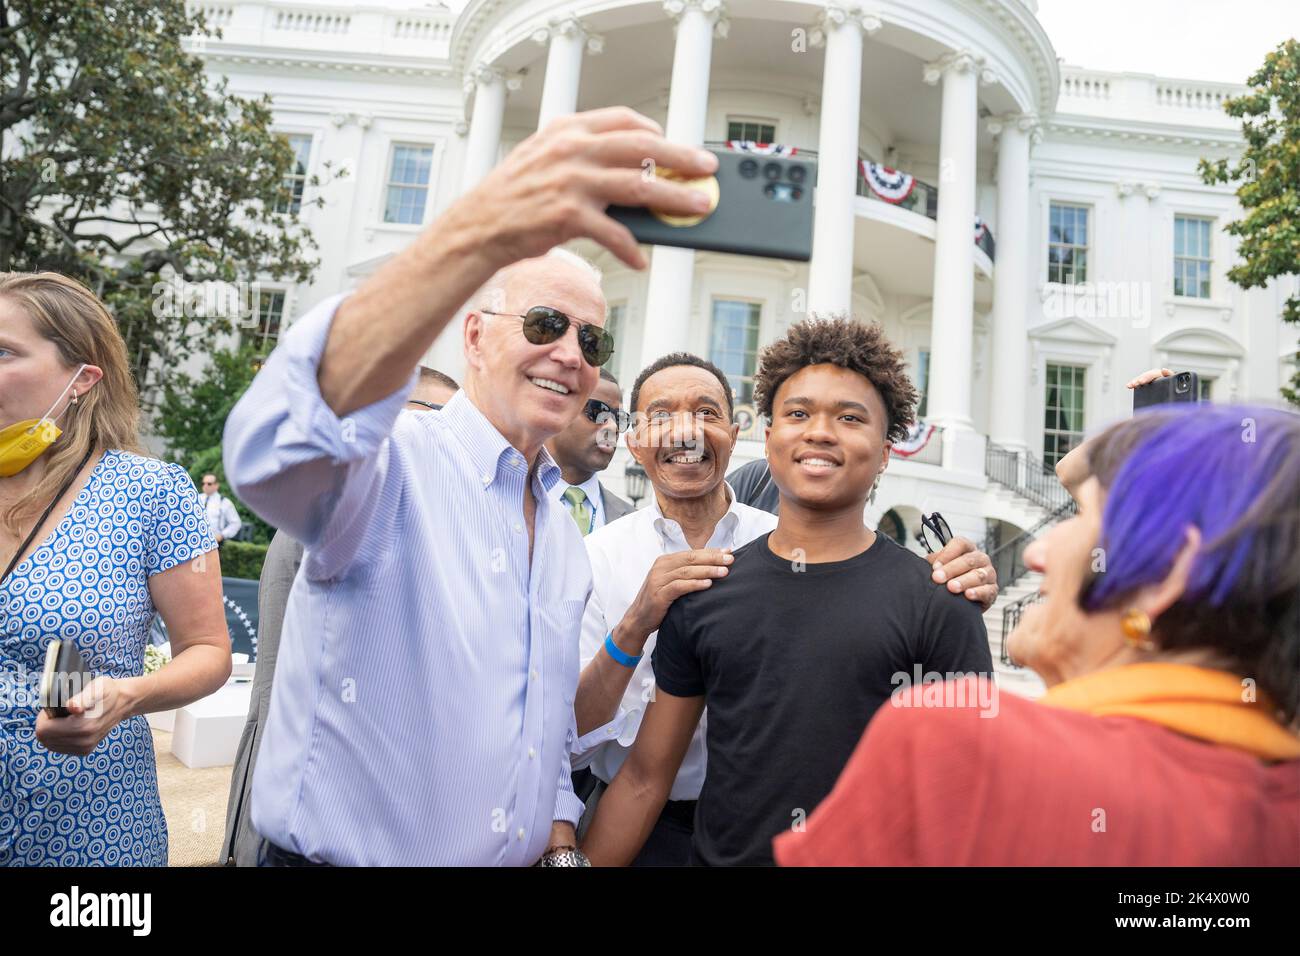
x=206, y=733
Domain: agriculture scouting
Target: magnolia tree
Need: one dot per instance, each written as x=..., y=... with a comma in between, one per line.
x=127, y=166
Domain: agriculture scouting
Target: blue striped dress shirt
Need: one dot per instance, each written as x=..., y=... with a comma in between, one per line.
x=422, y=708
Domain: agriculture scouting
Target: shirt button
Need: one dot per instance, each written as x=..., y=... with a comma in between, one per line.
x=520, y=834
x=531, y=753
x=534, y=675
x=487, y=479
x=519, y=529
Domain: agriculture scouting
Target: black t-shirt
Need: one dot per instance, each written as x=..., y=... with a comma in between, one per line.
x=754, y=486
x=793, y=662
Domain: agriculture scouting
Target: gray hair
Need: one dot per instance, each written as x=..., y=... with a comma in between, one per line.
x=492, y=293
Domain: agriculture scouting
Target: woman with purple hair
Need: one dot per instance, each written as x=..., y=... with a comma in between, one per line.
x=1169, y=639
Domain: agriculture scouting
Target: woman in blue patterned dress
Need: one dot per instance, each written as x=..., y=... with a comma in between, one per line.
x=95, y=537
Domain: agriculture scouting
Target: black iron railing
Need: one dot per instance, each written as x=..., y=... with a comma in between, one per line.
x=1025, y=474
x=1010, y=618
x=923, y=199
x=1008, y=557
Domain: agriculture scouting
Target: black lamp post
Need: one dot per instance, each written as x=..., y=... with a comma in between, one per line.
x=636, y=481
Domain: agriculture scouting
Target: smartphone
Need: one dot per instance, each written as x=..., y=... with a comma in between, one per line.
x=64, y=677
x=1181, y=387
x=764, y=207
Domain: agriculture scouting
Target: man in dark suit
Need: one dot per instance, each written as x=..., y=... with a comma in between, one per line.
x=585, y=449
x=242, y=843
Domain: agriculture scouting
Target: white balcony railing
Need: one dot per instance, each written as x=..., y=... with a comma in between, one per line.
x=330, y=29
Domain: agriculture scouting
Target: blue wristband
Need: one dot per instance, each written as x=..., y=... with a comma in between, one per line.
x=627, y=660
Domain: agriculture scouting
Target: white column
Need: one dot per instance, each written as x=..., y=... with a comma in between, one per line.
x=830, y=274
x=489, y=87
x=567, y=38
x=1011, y=280
x=951, y=328
x=668, y=298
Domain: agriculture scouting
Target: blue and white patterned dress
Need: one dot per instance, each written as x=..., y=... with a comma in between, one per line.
x=89, y=582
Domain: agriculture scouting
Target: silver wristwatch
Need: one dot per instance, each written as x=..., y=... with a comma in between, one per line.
x=564, y=856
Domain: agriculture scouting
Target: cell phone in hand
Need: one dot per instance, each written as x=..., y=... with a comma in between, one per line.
x=763, y=207
x=1181, y=387
x=64, y=677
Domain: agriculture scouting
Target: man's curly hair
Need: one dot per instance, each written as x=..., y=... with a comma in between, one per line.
x=848, y=344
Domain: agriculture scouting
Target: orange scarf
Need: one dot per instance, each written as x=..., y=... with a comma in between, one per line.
x=1195, y=701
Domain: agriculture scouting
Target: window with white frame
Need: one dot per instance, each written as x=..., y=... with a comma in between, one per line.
x=1067, y=244
x=1192, y=257
x=295, y=181
x=614, y=326
x=754, y=131
x=408, y=183
x=922, y=380
x=733, y=344
x=265, y=332
x=1207, y=388
x=1064, y=402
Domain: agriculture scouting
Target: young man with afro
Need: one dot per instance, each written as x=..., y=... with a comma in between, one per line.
x=805, y=638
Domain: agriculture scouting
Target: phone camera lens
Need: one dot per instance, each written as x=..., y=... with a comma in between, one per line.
x=749, y=168
x=782, y=192
x=796, y=174
x=772, y=171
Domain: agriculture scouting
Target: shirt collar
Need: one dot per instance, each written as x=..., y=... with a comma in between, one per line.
x=488, y=451
x=726, y=524
x=591, y=488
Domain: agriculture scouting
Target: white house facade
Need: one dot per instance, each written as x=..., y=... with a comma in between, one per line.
x=1030, y=234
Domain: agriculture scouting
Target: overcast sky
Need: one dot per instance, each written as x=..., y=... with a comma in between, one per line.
x=1188, y=39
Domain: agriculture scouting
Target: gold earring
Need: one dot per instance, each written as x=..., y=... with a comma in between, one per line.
x=1136, y=625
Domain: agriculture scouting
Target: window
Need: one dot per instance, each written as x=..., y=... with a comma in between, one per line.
x=1192, y=257
x=1063, y=429
x=294, y=183
x=266, y=331
x=752, y=131
x=614, y=326
x=922, y=380
x=1067, y=248
x=1207, y=387
x=734, y=344
x=408, y=184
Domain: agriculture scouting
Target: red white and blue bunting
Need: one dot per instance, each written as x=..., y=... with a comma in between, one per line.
x=918, y=436
x=761, y=149
x=891, y=185
x=981, y=229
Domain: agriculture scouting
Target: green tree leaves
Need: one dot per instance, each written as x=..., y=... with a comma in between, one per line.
x=1269, y=176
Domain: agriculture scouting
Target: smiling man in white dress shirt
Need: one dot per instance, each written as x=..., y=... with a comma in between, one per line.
x=422, y=711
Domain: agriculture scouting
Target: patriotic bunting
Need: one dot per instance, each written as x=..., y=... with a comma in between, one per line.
x=891, y=185
x=918, y=436
x=761, y=149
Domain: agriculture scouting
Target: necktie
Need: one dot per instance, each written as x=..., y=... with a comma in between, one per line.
x=577, y=499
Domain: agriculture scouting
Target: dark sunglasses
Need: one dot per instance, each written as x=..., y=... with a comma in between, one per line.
x=598, y=412
x=544, y=325
x=935, y=532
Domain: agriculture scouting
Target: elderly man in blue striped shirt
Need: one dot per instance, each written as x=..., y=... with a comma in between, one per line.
x=422, y=711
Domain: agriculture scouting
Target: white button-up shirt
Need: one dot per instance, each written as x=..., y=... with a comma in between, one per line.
x=223, y=519
x=621, y=556
x=422, y=709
